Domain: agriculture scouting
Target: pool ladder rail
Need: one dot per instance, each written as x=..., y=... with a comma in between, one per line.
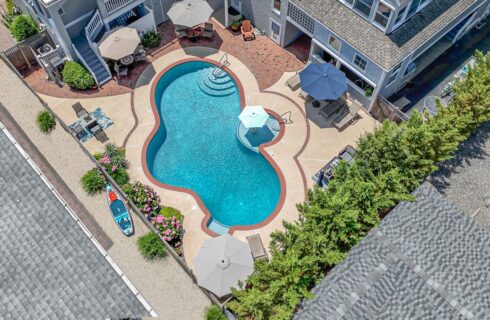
x=222, y=63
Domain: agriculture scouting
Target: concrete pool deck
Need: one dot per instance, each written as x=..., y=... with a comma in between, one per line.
x=301, y=152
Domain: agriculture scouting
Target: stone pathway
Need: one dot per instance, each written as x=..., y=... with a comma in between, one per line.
x=166, y=287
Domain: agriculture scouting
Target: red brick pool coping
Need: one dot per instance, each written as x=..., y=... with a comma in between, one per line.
x=207, y=214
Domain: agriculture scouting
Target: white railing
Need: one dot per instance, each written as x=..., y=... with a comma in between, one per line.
x=94, y=26
x=144, y=23
x=113, y=5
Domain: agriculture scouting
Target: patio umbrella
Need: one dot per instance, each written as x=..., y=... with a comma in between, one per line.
x=189, y=13
x=119, y=43
x=221, y=262
x=323, y=81
x=253, y=117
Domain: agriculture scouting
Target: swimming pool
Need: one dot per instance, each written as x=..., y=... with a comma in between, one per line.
x=196, y=147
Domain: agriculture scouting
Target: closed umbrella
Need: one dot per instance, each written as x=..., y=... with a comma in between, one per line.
x=253, y=117
x=221, y=262
x=119, y=43
x=323, y=81
x=190, y=13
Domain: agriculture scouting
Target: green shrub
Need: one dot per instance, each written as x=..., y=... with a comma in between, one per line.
x=23, y=27
x=214, y=313
x=120, y=176
x=170, y=212
x=77, y=76
x=98, y=155
x=390, y=163
x=45, y=121
x=151, y=247
x=151, y=39
x=93, y=182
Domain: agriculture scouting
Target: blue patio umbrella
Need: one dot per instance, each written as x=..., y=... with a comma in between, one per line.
x=323, y=81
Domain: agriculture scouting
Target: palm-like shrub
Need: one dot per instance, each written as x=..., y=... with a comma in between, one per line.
x=151, y=39
x=77, y=76
x=45, y=121
x=120, y=176
x=215, y=313
x=151, y=247
x=93, y=182
x=23, y=27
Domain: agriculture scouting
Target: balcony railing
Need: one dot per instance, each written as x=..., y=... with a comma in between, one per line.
x=113, y=5
x=94, y=26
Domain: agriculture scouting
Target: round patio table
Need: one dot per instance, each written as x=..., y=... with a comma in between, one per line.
x=127, y=60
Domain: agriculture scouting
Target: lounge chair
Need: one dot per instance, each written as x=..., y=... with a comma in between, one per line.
x=348, y=154
x=257, y=248
x=247, y=30
x=101, y=137
x=294, y=83
x=79, y=110
x=208, y=31
x=346, y=118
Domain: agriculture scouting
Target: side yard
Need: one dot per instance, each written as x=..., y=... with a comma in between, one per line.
x=167, y=288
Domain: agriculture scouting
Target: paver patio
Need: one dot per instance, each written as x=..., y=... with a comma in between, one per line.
x=265, y=59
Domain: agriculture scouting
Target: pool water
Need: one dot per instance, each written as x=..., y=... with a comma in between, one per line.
x=196, y=146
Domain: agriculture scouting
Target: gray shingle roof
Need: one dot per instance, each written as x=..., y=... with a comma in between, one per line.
x=426, y=260
x=385, y=50
x=49, y=268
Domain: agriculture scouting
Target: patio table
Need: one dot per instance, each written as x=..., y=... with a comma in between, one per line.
x=127, y=60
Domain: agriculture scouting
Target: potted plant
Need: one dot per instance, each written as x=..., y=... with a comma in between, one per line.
x=368, y=91
x=235, y=25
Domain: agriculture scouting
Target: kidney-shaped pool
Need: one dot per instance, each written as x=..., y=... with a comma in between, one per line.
x=195, y=146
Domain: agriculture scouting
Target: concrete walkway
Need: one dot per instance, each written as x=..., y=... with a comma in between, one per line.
x=167, y=288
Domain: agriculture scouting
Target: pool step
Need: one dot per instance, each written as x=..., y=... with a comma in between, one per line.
x=217, y=227
x=216, y=82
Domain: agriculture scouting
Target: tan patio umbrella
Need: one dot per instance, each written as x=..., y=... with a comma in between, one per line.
x=119, y=43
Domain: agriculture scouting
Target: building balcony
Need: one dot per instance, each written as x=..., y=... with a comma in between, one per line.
x=140, y=18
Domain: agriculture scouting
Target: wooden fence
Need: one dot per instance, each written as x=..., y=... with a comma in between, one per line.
x=22, y=55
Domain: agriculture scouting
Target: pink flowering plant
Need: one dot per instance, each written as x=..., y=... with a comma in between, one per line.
x=144, y=197
x=169, y=228
x=114, y=161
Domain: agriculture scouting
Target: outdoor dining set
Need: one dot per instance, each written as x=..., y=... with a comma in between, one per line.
x=324, y=87
x=190, y=18
x=87, y=125
x=124, y=48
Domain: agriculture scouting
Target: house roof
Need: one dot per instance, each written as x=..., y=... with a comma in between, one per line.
x=49, y=268
x=425, y=260
x=385, y=50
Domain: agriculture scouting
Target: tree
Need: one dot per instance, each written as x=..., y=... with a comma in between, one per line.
x=23, y=27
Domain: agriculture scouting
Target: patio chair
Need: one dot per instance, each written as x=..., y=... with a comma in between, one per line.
x=79, y=110
x=140, y=50
x=305, y=96
x=294, y=83
x=257, y=248
x=208, y=31
x=101, y=137
x=180, y=32
x=121, y=71
x=348, y=153
x=140, y=57
x=247, y=30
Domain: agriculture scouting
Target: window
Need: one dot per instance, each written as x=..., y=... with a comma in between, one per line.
x=364, y=7
x=399, y=17
x=360, y=62
x=383, y=14
x=349, y=2
x=394, y=74
x=413, y=8
x=334, y=43
x=277, y=5
x=61, y=11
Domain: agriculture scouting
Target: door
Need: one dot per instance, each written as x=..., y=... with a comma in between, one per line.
x=158, y=11
x=275, y=32
x=237, y=5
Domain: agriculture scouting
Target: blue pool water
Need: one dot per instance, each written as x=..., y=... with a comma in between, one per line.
x=196, y=146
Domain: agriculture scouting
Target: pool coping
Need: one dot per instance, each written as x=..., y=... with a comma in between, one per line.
x=265, y=154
